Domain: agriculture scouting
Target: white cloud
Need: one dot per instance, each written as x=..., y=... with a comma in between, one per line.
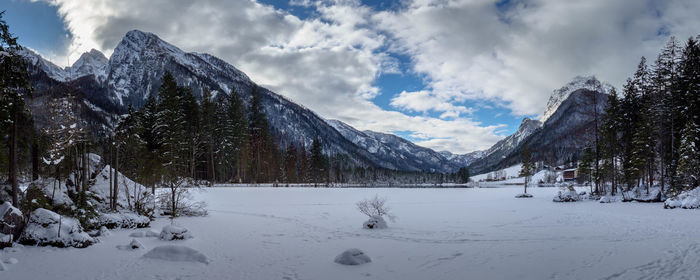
x=424, y=101
x=471, y=50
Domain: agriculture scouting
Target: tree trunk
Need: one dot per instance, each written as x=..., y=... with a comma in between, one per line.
x=116, y=177
x=35, y=160
x=13, y=163
x=85, y=175
x=111, y=165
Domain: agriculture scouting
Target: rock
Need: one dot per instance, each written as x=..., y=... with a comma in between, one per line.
x=104, y=231
x=375, y=222
x=352, y=257
x=176, y=253
x=173, y=232
x=134, y=245
x=523, y=195
x=46, y=228
x=11, y=221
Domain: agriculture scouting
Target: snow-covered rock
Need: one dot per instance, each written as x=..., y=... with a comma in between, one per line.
x=11, y=261
x=46, y=228
x=56, y=193
x=173, y=232
x=175, y=253
x=104, y=231
x=133, y=245
x=3, y=267
x=609, y=199
x=128, y=189
x=145, y=233
x=523, y=195
x=641, y=195
x=11, y=222
x=687, y=200
x=566, y=194
x=375, y=222
x=123, y=220
x=352, y=257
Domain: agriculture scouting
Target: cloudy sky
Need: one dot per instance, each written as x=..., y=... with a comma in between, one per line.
x=453, y=75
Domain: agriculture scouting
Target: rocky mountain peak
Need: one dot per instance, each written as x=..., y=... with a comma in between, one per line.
x=579, y=82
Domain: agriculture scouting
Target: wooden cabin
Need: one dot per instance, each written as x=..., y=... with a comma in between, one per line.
x=570, y=174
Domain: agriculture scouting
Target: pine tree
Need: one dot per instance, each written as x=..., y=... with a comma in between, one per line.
x=610, y=128
x=149, y=133
x=260, y=140
x=585, y=166
x=527, y=167
x=689, y=161
x=630, y=116
x=171, y=127
x=462, y=175
x=665, y=87
x=192, y=134
x=207, y=133
x=290, y=165
x=318, y=162
x=14, y=86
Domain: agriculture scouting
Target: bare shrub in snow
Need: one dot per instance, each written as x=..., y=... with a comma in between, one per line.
x=376, y=209
x=179, y=201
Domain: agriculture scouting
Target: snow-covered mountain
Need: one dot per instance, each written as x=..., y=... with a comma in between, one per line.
x=506, y=146
x=569, y=122
x=401, y=153
x=463, y=159
x=93, y=62
x=579, y=82
x=135, y=69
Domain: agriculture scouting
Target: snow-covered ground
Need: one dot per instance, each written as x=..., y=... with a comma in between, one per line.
x=475, y=233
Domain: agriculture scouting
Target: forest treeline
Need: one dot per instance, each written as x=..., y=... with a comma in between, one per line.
x=649, y=134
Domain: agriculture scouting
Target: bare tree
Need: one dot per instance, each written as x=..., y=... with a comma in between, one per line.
x=375, y=207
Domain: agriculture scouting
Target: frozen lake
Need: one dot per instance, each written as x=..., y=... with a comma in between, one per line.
x=295, y=233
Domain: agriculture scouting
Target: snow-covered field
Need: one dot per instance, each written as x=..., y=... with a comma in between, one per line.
x=296, y=233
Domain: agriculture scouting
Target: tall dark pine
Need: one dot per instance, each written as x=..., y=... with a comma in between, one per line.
x=14, y=85
x=630, y=115
x=170, y=127
x=207, y=133
x=290, y=165
x=190, y=110
x=260, y=140
x=665, y=89
x=318, y=161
